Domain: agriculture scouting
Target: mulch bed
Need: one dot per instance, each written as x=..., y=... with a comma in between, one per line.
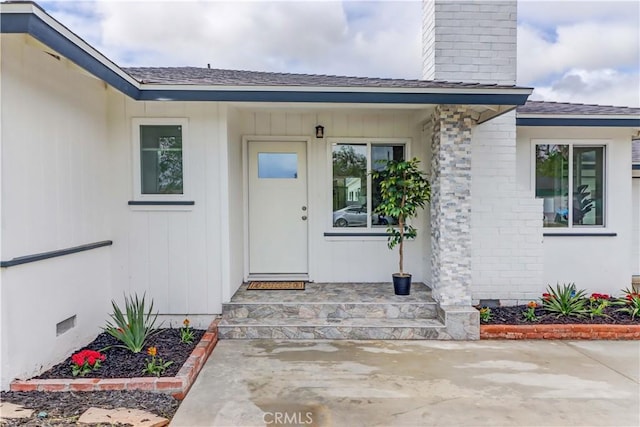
x=122, y=363
x=64, y=408
x=513, y=316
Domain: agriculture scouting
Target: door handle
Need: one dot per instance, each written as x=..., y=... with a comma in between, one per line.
x=304, y=208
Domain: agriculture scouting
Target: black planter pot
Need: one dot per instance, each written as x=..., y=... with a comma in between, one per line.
x=402, y=284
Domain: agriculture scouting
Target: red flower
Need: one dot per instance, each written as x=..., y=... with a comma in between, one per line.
x=78, y=359
x=87, y=356
x=546, y=296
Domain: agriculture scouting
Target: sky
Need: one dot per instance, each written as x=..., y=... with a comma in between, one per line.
x=569, y=50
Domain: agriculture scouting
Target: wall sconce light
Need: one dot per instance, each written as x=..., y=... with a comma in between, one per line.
x=319, y=131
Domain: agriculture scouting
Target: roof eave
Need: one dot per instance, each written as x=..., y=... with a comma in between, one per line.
x=28, y=18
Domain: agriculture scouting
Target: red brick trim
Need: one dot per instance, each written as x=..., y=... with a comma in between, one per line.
x=560, y=332
x=177, y=386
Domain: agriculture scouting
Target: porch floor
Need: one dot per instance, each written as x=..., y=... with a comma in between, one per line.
x=347, y=293
x=334, y=311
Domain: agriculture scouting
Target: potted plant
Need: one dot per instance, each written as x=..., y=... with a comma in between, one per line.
x=403, y=189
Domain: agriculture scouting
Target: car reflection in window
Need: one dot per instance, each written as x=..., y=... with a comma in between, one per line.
x=356, y=216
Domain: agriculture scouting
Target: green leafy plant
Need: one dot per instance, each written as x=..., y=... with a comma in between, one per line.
x=155, y=366
x=565, y=300
x=485, y=314
x=186, y=333
x=133, y=327
x=86, y=361
x=597, y=305
x=630, y=303
x=530, y=313
x=403, y=189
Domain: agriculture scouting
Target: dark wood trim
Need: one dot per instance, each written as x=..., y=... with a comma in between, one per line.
x=53, y=254
x=161, y=203
x=580, y=234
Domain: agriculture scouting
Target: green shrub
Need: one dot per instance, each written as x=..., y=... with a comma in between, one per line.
x=485, y=314
x=565, y=300
x=136, y=326
x=630, y=303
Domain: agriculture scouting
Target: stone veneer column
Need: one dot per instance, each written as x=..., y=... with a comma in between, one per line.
x=451, y=205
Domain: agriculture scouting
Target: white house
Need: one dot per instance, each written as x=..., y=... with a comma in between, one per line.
x=187, y=182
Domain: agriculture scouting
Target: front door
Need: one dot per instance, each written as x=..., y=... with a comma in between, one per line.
x=277, y=207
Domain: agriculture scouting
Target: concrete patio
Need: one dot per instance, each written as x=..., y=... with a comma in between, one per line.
x=416, y=383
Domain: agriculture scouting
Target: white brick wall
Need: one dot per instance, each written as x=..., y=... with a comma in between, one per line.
x=506, y=223
x=470, y=41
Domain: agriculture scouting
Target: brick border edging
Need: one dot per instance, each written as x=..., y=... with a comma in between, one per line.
x=560, y=332
x=177, y=386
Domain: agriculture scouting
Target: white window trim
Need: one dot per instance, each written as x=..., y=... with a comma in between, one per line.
x=362, y=141
x=576, y=142
x=136, y=172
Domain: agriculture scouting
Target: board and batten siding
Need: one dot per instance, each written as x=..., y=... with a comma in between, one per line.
x=595, y=263
x=346, y=259
x=173, y=254
x=54, y=181
x=636, y=225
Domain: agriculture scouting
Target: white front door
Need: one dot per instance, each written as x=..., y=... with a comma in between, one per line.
x=277, y=207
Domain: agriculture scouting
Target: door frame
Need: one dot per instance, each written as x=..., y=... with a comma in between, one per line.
x=246, y=139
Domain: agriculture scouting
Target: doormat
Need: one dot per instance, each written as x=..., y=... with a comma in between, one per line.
x=276, y=286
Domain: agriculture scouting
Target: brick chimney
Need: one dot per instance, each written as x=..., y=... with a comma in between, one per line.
x=469, y=41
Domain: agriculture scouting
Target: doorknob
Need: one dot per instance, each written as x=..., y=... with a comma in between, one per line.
x=304, y=208
x=304, y=217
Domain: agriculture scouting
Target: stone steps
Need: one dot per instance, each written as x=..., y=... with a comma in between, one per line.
x=344, y=328
x=333, y=311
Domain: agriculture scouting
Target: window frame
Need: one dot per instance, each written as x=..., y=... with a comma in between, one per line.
x=136, y=124
x=369, y=142
x=573, y=143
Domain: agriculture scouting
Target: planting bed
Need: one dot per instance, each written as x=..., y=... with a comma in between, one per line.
x=509, y=323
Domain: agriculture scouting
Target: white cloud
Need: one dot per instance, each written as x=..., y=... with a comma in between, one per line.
x=580, y=51
x=588, y=45
x=308, y=37
x=603, y=86
x=596, y=43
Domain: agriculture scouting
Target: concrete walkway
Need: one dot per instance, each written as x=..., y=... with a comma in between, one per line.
x=416, y=383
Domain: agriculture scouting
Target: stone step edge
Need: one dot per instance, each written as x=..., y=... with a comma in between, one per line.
x=560, y=332
x=233, y=303
x=319, y=323
x=333, y=333
x=177, y=386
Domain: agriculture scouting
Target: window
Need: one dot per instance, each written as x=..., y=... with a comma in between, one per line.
x=158, y=152
x=576, y=170
x=355, y=195
x=278, y=165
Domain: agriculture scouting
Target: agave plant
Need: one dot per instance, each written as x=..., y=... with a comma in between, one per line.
x=630, y=303
x=133, y=327
x=565, y=300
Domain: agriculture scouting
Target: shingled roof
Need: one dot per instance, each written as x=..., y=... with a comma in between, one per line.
x=218, y=77
x=564, y=108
